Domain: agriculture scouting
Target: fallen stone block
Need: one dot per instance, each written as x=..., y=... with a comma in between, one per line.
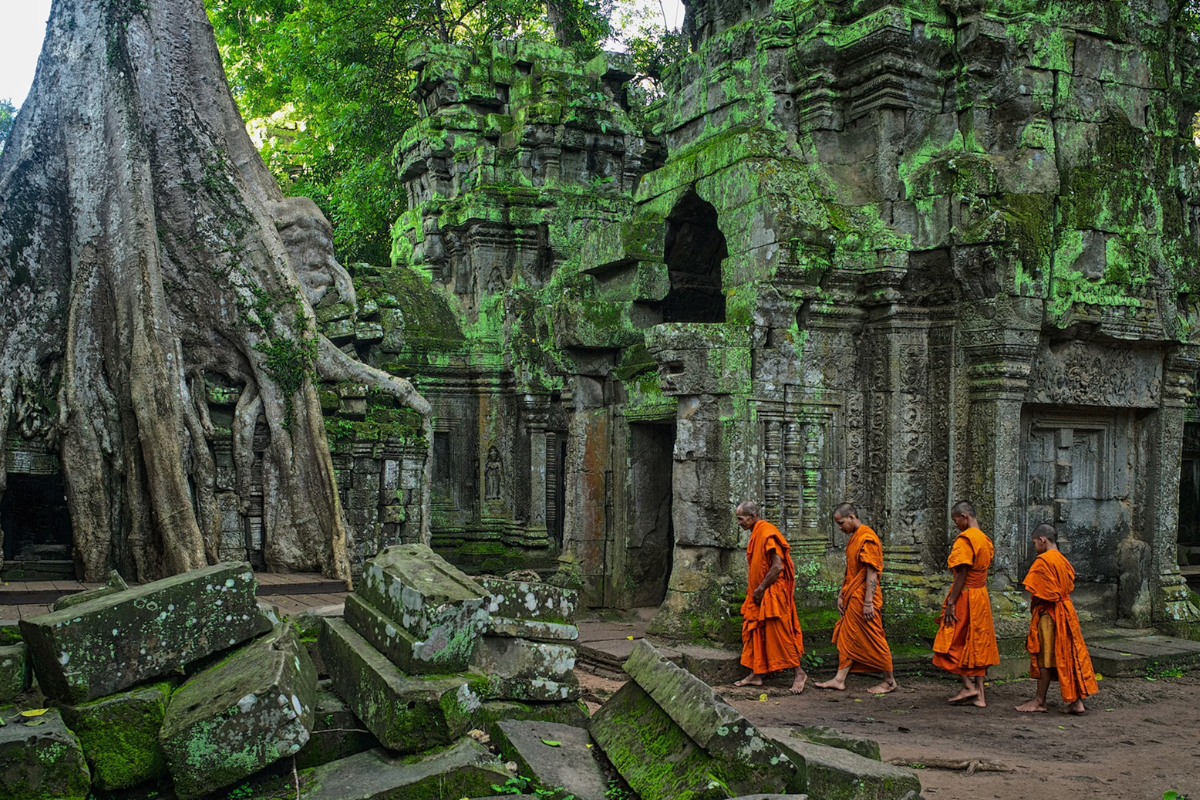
x=518, y=669
x=837, y=774
x=115, y=583
x=424, y=595
x=465, y=769
x=14, y=671
x=867, y=748
x=40, y=758
x=570, y=712
x=406, y=713
x=241, y=715
x=710, y=722
x=653, y=754
x=398, y=645
x=112, y=643
x=556, y=756
x=336, y=734
x=531, y=629
x=530, y=601
x=119, y=735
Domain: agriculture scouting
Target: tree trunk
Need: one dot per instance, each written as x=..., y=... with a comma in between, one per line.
x=140, y=252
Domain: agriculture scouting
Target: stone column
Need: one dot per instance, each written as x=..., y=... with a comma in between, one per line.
x=537, y=411
x=999, y=361
x=1171, y=608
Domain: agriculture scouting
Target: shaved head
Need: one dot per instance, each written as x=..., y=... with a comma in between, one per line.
x=845, y=510
x=748, y=507
x=1046, y=531
x=963, y=508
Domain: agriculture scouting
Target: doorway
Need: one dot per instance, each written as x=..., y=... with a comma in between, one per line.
x=35, y=520
x=650, y=544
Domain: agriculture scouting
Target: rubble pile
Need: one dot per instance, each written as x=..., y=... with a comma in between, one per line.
x=436, y=685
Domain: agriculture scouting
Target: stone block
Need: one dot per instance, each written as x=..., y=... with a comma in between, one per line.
x=336, y=734
x=438, y=605
x=710, y=722
x=819, y=734
x=530, y=601
x=531, y=629
x=518, y=669
x=112, y=643
x=115, y=583
x=14, y=671
x=386, y=636
x=40, y=758
x=567, y=713
x=241, y=715
x=653, y=754
x=838, y=774
x=407, y=714
x=465, y=770
x=119, y=735
x=568, y=765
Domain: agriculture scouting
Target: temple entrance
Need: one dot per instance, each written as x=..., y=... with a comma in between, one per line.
x=695, y=248
x=650, y=542
x=1189, y=502
x=35, y=520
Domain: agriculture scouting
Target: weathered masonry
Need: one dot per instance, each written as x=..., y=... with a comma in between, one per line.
x=901, y=253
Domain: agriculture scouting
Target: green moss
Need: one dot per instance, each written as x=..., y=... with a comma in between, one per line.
x=119, y=735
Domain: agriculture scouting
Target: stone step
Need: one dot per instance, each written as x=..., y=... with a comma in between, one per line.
x=1122, y=657
x=836, y=772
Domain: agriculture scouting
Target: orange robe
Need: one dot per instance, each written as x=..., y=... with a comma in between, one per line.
x=771, y=637
x=862, y=645
x=968, y=647
x=1050, y=581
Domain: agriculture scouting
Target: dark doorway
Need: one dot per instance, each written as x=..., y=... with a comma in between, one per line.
x=695, y=248
x=651, y=542
x=1189, y=499
x=35, y=520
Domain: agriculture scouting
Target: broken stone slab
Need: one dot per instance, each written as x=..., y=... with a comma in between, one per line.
x=398, y=645
x=653, y=754
x=336, y=734
x=241, y=715
x=40, y=758
x=709, y=721
x=423, y=594
x=113, y=584
x=518, y=669
x=119, y=735
x=531, y=629
x=465, y=769
x=112, y=643
x=556, y=756
x=406, y=713
x=530, y=601
x=837, y=774
x=14, y=671
x=819, y=734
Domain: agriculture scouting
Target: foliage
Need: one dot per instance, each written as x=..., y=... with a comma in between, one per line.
x=1155, y=670
x=8, y=114
x=326, y=87
x=514, y=785
x=652, y=44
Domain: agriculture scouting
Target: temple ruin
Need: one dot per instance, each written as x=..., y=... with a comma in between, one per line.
x=899, y=253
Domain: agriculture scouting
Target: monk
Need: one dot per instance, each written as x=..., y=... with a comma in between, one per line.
x=861, y=644
x=1055, y=643
x=966, y=640
x=771, y=636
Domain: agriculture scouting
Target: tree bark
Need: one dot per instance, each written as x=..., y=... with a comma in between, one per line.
x=140, y=253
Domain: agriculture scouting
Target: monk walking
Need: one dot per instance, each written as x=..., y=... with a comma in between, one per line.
x=771, y=637
x=861, y=644
x=1055, y=643
x=966, y=641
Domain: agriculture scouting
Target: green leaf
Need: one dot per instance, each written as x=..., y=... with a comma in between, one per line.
x=551, y=743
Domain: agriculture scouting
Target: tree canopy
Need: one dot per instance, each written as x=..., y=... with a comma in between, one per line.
x=7, y=114
x=326, y=85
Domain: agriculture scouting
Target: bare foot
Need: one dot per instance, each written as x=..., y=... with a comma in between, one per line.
x=832, y=683
x=1075, y=708
x=750, y=680
x=965, y=694
x=884, y=688
x=798, y=684
x=980, y=703
x=1033, y=707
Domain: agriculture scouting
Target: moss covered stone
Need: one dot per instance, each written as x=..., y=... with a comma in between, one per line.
x=240, y=715
x=111, y=643
x=336, y=734
x=519, y=669
x=407, y=713
x=14, y=671
x=40, y=758
x=119, y=735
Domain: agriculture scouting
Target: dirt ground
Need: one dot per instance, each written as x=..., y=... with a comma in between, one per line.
x=1140, y=738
